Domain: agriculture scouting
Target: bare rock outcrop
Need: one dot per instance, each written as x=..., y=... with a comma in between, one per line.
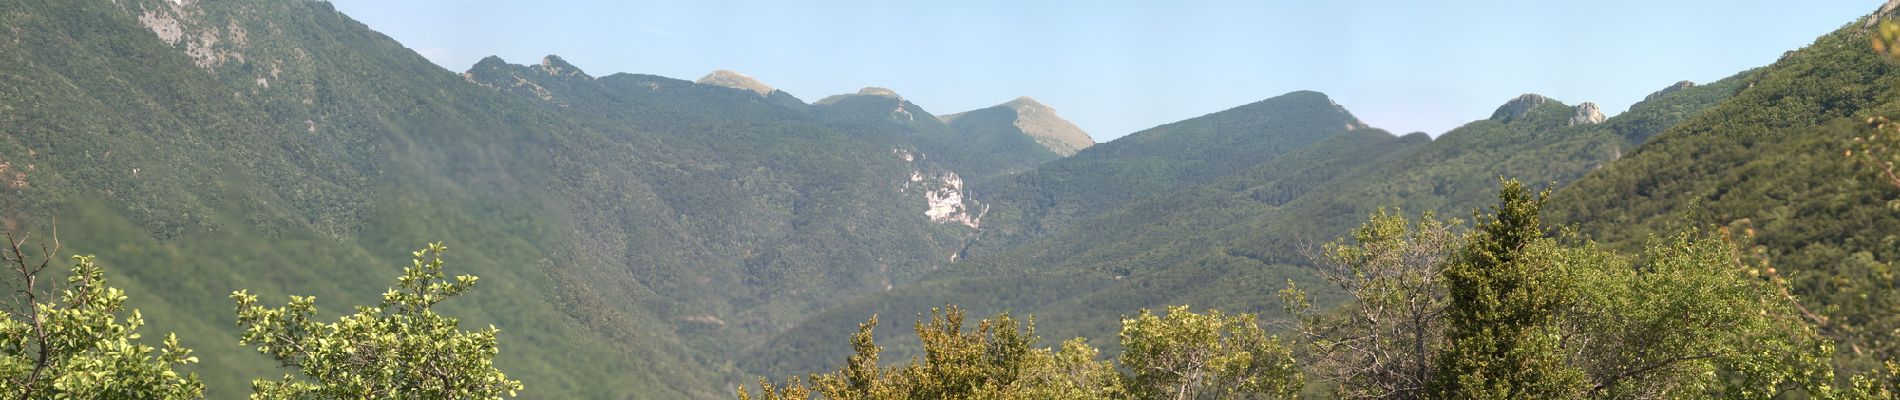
x=1679, y=86
x=1587, y=114
x=1516, y=108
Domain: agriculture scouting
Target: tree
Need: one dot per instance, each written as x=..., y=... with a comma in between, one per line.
x=1883, y=383
x=1500, y=337
x=861, y=377
x=1380, y=344
x=1691, y=317
x=399, y=349
x=1184, y=355
x=995, y=361
x=77, y=347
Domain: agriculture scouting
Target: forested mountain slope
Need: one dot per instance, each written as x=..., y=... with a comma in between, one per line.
x=1231, y=242
x=1106, y=176
x=1769, y=162
x=642, y=236
x=628, y=229
x=1023, y=132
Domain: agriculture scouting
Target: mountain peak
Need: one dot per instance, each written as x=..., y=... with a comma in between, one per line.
x=1050, y=130
x=1033, y=119
x=1025, y=102
x=879, y=91
x=1587, y=114
x=735, y=80
x=489, y=62
x=553, y=65
x=487, y=71
x=867, y=91
x=1517, y=107
x=1667, y=90
x=1313, y=99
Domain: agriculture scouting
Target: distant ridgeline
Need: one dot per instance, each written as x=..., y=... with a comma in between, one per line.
x=631, y=231
x=640, y=236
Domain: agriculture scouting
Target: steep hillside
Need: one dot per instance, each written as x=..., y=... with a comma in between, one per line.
x=1457, y=172
x=1233, y=241
x=1021, y=130
x=1768, y=162
x=194, y=149
x=1041, y=203
x=1036, y=121
x=628, y=229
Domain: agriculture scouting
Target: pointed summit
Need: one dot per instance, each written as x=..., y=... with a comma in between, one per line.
x=1671, y=89
x=491, y=71
x=1029, y=118
x=1050, y=130
x=1587, y=114
x=736, y=80
x=1516, y=108
x=879, y=91
x=554, y=66
x=1025, y=102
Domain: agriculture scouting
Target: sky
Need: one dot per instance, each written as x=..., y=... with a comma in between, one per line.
x=1117, y=67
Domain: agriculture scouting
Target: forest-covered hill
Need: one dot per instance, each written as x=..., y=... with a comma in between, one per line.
x=641, y=236
x=629, y=228
x=1233, y=240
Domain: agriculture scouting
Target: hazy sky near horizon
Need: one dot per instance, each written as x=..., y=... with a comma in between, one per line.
x=1116, y=67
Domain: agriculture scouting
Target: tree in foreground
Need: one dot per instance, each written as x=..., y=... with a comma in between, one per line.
x=1500, y=341
x=1184, y=355
x=995, y=361
x=1180, y=355
x=1689, y=318
x=1380, y=344
x=399, y=349
x=76, y=346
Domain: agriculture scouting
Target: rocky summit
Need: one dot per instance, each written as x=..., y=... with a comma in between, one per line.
x=1679, y=86
x=736, y=80
x=1587, y=114
x=1516, y=108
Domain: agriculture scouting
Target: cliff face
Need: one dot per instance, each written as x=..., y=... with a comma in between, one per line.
x=1587, y=114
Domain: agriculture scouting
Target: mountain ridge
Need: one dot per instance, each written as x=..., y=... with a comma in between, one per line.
x=735, y=80
x=1039, y=122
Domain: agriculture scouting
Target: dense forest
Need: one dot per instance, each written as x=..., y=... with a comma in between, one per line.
x=183, y=181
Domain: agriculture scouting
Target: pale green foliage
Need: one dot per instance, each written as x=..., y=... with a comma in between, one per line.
x=1380, y=344
x=1077, y=374
x=995, y=361
x=1884, y=383
x=1688, y=321
x=1184, y=355
x=998, y=360
x=399, y=349
x=78, y=348
x=861, y=377
x=1886, y=39
x=1553, y=317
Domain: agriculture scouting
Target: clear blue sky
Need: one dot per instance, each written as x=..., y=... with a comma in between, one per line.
x=1117, y=67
